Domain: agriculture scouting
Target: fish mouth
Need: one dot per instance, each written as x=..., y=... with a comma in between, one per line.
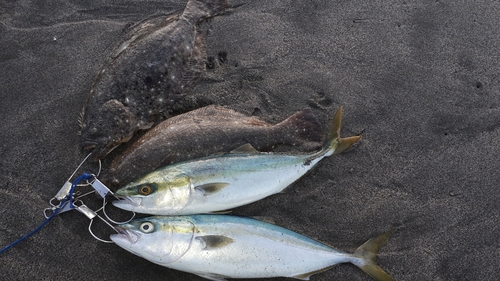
x=88, y=145
x=98, y=150
x=124, y=234
x=126, y=202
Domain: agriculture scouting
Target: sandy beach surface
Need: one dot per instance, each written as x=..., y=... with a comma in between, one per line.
x=418, y=78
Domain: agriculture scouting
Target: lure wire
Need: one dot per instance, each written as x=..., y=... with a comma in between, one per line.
x=103, y=208
x=95, y=236
x=104, y=203
x=95, y=176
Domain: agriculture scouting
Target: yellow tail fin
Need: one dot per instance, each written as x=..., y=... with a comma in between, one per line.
x=334, y=143
x=368, y=252
x=345, y=143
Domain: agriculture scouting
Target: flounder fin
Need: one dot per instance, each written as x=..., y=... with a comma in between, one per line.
x=196, y=64
x=211, y=188
x=305, y=276
x=197, y=10
x=246, y=148
x=215, y=241
x=302, y=128
x=368, y=252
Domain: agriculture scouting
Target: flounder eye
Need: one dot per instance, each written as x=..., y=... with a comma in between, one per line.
x=145, y=190
x=147, y=227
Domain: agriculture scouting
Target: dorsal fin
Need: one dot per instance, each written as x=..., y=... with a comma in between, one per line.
x=246, y=148
x=264, y=219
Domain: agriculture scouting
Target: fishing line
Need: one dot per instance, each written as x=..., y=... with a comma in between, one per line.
x=95, y=176
x=85, y=159
x=69, y=197
x=84, y=176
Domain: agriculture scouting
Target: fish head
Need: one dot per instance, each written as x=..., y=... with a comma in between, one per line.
x=160, y=240
x=162, y=192
x=106, y=127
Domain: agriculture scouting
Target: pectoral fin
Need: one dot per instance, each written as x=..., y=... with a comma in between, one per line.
x=223, y=212
x=214, y=241
x=211, y=188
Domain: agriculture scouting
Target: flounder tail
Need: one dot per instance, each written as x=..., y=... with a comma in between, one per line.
x=367, y=253
x=302, y=129
x=197, y=10
x=334, y=143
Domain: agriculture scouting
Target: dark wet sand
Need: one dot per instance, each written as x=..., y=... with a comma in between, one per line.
x=420, y=79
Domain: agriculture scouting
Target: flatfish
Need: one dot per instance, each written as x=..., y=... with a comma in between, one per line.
x=206, y=131
x=146, y=75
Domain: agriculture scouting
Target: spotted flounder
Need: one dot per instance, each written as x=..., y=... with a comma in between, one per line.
x=145, y=77
x=206, y=131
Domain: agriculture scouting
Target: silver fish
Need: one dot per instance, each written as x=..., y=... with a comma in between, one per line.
x=223, y=182
x=146, y=75
x=217, y=247
x=206, y=131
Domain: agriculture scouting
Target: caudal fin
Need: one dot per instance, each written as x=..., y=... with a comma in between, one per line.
x=334, y=143
x=301, y=128
x=367, y=253
x=197, y=10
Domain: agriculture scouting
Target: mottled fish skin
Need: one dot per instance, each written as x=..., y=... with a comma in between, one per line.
x=218, y=247
x=206, y=131
x=145, y=76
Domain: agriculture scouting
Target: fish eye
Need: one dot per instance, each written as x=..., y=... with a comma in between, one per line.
x=145, y=190
x=147, y=227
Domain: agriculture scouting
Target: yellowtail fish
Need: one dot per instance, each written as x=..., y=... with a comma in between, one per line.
x=218, y=247
x=145, y=77
x=206, y=131
x=223, y=182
